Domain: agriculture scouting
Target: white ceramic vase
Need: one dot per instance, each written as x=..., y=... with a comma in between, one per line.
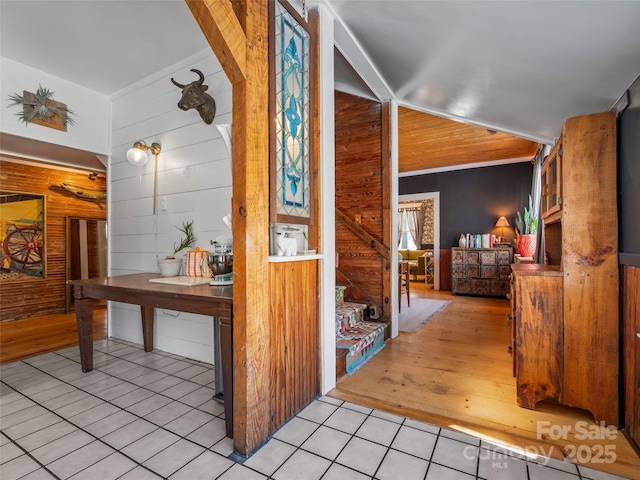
x=170, y=267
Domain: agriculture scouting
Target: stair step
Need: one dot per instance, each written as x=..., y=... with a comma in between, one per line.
x=341, y=362
x=357, y=339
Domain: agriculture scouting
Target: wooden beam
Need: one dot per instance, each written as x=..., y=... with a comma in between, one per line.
x=250, y=204
x=387, y=227
x=244, y=58
x=223, y=31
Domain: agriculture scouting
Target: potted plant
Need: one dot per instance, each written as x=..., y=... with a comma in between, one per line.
x=171, y=266
x=527, y=231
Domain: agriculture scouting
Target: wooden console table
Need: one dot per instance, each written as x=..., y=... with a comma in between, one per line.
x=215, y=301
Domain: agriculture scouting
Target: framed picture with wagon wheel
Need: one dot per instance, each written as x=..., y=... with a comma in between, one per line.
x=22, y=239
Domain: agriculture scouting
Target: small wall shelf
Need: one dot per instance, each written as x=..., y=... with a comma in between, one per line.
x=295, y=258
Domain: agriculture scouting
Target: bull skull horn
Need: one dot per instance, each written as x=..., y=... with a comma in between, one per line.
x=176, y=83
x=194, y=70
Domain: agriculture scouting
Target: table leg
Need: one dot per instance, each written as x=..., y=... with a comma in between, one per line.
x=226, y=349
x=217, y=361
x=147, y=327
x=84, y=324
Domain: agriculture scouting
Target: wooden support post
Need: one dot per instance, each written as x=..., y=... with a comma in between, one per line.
x=244, y=57
x=385, y=163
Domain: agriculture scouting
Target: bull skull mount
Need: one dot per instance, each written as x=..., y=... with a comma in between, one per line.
x=194, y=96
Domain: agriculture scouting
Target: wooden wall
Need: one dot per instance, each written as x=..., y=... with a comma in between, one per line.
x=445, y=269
x=295, y=338
x=360, y=192
x=43, y=297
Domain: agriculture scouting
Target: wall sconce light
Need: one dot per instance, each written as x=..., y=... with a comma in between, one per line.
x=137, y=155
x=502, y=222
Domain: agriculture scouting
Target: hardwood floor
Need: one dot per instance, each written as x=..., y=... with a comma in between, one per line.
x=455, y=372
x=33, y=336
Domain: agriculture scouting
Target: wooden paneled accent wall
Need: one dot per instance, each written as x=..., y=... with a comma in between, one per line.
x=445, y=269
x=43, y=297
x=295, y=338
x=360, y=182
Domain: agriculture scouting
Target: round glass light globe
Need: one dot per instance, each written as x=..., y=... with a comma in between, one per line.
x=137, y=156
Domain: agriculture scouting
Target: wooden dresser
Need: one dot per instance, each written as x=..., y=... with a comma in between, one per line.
x=481, y=271
x=565, y=316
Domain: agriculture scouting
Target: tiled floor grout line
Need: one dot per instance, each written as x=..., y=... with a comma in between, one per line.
x=387, y=446
x=26, y=452
x=432, y=453
x=435, y=445
x=353, y=435
x=36, y=377
x=297, y=447
x=131, y=383
x=118, y=450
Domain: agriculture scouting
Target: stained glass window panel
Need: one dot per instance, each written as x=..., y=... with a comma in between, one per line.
x=292, y=115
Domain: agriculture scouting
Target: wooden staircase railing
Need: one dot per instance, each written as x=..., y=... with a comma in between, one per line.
x=356, y=292
x=361, y=233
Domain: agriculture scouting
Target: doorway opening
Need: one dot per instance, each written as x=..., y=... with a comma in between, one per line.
x=430, y=230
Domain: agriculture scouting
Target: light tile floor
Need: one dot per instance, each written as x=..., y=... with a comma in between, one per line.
x=141, y=416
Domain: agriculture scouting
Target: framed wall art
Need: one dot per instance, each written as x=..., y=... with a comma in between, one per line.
x=22, y=228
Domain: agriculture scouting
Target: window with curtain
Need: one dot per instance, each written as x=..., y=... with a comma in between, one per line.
x=409, y=228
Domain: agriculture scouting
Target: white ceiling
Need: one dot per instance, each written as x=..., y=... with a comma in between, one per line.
x=521, y=67
x=104, y=45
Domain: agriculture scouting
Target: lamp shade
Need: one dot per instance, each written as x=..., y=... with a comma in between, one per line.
x=137, y=156
x=502, y=222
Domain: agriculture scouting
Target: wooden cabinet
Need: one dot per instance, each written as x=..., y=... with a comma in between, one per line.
x=551, y=185
x=570, y=319
x=481, y=271
x=537, y=333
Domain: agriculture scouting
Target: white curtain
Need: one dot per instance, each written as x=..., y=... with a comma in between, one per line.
x=414, y=224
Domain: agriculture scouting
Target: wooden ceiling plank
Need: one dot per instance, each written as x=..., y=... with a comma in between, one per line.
x=427, y=141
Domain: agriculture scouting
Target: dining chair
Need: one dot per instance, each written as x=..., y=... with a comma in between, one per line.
x=404, y=285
